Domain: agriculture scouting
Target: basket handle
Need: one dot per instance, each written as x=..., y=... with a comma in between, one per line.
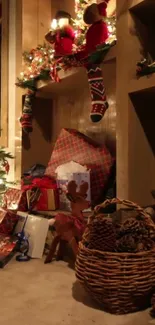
x=127, y=203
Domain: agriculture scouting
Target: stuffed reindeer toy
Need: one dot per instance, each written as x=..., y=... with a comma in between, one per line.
x=69, y=228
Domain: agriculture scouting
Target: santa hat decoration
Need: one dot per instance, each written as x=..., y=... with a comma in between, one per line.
x=102, y=7
x=95, y=12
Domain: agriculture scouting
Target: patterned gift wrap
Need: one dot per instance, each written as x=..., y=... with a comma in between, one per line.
x=8, y=221
x=73, y=145
x=15, y=199
x=48, y=200
x=8, y=247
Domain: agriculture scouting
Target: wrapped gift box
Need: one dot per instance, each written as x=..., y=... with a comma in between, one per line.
x=8, y=221
x=35, y=229
x=7, y=249
x=15, y=199
x=48, y=200
x=42, y=194
x=71, y=145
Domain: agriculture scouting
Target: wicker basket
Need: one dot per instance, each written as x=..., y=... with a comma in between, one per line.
x=120, y=282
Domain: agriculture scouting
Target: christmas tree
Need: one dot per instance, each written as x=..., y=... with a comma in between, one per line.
x=4, y=170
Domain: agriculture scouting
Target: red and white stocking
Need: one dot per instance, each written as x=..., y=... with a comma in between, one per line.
x=97, y=90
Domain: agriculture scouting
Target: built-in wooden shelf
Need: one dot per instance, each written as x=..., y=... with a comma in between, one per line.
x=70, y=80
x=141, y=84
x=144, y=10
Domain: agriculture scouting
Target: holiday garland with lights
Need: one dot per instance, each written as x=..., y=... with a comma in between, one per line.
x=40, y=63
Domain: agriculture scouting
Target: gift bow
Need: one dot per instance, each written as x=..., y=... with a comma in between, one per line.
x=40, y=183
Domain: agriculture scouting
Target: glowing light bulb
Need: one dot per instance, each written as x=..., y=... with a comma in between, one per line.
x=110, y=29
x=63, y=22
x=1, y=181
x=54, y=24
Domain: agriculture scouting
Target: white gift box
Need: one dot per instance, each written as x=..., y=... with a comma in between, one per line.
x=35, y=229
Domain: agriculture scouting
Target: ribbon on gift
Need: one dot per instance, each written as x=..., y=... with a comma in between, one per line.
x=44, y=182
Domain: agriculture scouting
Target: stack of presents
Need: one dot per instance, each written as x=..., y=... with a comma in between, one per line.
x=80, y=174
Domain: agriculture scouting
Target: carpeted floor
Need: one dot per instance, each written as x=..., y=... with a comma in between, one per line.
x=36, y=294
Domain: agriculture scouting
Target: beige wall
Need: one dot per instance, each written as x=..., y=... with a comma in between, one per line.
x=70, y=109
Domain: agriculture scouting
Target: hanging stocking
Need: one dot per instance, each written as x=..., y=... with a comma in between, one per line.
x=97, y=90
x=26, y=118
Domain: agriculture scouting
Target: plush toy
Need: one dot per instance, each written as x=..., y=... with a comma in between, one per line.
x=63, y=36
x=98, y=31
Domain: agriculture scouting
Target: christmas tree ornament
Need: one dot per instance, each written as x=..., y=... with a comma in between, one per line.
x=97, y=91
x=26, y=118
x=6, y=166
x=61, y=34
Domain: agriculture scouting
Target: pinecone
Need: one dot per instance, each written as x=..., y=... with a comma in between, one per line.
x=102, y=234
x=140, y=247
x=130, y=226
x=126, y=244
x=148, y=244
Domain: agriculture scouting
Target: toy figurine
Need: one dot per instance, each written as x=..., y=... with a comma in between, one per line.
x=98, y=31
x=70, y=228
x=62, y=34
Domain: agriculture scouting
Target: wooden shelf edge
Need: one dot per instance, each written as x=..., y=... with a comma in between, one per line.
x=44, y=87
x=135, y=3
x=111, y=55
x=62, y=75
x=142, y=84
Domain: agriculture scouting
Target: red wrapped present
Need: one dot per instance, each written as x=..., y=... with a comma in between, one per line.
x=7, y=249
x=15, y=199
x=8, y=220
x=72, y=145
x=48, y=198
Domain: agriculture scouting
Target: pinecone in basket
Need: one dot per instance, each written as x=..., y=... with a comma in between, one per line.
x=102, y=234
x=150, y=231
x=127, y=243
x=130, y=226
x=148, y=244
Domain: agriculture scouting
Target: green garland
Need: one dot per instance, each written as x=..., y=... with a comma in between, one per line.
x=145, y=68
